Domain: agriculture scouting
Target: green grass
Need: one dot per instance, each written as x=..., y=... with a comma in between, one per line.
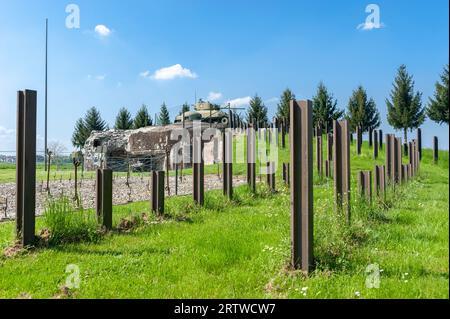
x=65, y=224
x=240, y=249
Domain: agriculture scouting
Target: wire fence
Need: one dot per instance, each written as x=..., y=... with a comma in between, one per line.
x=131, y=183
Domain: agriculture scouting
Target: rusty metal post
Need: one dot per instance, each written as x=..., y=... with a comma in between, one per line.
x=341, y=166
x=329, y=155
x=419, y=143
x=158, y=192
x=361, y=183
x=435, y=150
x=28, y=163
x=198, y=171
x=98, y=195
x=418, y=155
x=228, y=163
x=394, y=160
x=271, y=176
x=327, y=168
x=399, y=158
x=330, y=147
x=358, y=140
x=368, y=185
x=251, y=158
x=380, y=181
x=414, y=156
x=107, y=198
x=283, y=134
x=319, y=153
x=301, y=173
x=224, y=164
x=286, y=173
x=154, y=197
x=365, y=184
x=380, y=138
x=176, y=179
x=389, y=158
x=375, y=144
x=19, y=163
x=410, y=152
x=404, y=173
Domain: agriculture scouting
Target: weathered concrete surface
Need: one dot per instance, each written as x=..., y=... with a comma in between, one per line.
x=144, y=149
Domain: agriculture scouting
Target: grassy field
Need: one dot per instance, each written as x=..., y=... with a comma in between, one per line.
x=66, y=172
x=240, y=249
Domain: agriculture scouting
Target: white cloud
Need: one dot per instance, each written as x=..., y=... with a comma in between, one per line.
x=145, y=74
x=172, y=72
x=214, y=96
x=102, y=30
x=6, y=131
x=242, y=101
x=7, y=139
x=96, y=77
x=367, y=26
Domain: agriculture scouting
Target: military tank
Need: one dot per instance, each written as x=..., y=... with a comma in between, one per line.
x=205, y=112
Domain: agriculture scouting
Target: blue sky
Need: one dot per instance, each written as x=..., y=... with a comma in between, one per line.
x=231, y=48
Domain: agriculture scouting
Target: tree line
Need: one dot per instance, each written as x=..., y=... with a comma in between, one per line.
x=405, y=110
x=404, y=106
x=92, y=121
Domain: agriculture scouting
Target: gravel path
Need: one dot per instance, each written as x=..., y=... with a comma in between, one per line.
x=139, y=190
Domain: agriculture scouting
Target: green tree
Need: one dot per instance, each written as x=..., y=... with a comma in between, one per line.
x=438, y=108
x=79, y=135
x=142, y=118
x=84, y=127
x=325, y=109
x=283, y=107
x=185, y=108
x=405, y=109
x=164, y=117
x=362, y=111
x=123, y=120
x=257, y=112
x=93, y=121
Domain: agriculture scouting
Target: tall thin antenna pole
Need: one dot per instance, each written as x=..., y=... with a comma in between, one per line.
x=46, y=63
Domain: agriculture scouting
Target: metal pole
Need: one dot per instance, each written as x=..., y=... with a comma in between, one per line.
x=29, y=168
x=46, y=64
x=301, y=171
x=19, y=163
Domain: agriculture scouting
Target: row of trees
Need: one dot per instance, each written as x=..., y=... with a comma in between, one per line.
x=124, y=121
x=404, y=106
x=93, y=121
